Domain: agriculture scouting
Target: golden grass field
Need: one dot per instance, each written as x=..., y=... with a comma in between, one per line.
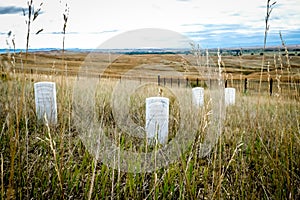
x=249, y=66
x=282, y=68
x=256, y=156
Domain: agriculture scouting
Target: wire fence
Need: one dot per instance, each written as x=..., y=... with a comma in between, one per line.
x=245, y=85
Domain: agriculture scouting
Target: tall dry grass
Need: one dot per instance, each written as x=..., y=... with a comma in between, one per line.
x=256, y=156
x=257, y=151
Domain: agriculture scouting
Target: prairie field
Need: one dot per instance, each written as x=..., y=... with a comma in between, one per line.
x=256, y=154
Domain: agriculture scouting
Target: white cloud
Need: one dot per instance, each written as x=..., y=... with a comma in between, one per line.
x=91, y=17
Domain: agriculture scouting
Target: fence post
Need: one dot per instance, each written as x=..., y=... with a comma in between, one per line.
x=158, y=79
x=225, y=83
x=197, y=82
x=187, y=82
x=271, y=86
x=178, y=82
x=245, y=86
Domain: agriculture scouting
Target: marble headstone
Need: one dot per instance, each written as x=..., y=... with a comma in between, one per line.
x=229, y=96
x=45, y=101
x=157, y=119
x=198, y=96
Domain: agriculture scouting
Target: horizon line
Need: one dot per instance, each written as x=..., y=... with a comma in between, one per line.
x=18, y=50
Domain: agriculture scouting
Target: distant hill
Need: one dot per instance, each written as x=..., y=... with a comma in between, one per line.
x=229, y=51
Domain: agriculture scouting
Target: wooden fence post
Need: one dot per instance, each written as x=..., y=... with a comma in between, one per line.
x=158, y=80
x=271, y=86
x=245, y=86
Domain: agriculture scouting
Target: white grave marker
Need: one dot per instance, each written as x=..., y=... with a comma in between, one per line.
x=229, y=96
x=157, y=119
x=198, y=96
x=45, y=101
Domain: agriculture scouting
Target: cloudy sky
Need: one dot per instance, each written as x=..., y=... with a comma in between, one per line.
x=210, y=23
